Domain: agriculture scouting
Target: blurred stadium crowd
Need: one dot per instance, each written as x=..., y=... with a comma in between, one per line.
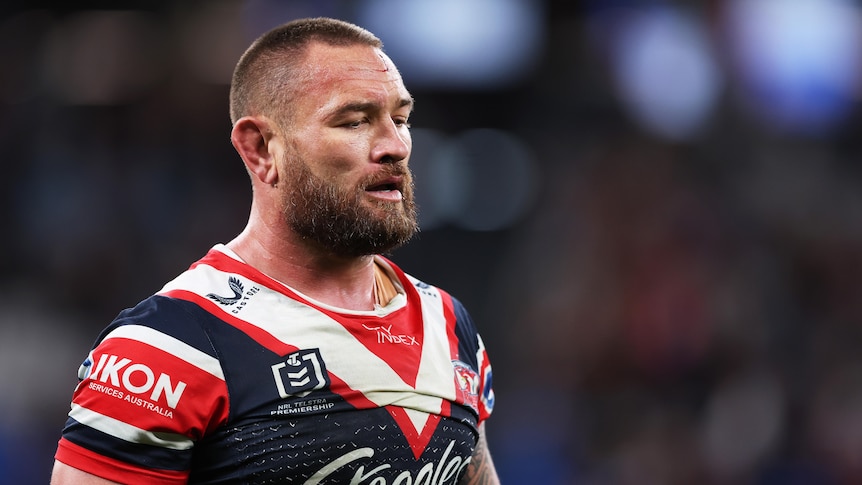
x=653, y=210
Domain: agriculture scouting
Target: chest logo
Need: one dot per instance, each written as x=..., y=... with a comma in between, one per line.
x=385, y=336
x=300, y=373
x=235, y=286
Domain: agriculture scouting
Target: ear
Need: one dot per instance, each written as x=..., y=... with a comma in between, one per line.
x=252, y=137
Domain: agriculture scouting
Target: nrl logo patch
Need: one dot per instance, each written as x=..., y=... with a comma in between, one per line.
x=300, y=373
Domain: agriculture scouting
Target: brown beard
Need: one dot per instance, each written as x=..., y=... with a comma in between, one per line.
x=338, y=220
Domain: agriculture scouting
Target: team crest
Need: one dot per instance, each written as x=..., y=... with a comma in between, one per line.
x=466, y=384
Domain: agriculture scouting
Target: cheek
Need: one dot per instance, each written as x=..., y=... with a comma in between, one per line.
x=320, y=154
x=339, y=158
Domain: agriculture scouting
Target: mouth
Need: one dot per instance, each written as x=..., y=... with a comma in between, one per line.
x=389, y=189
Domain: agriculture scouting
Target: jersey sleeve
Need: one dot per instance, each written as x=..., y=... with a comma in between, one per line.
x=149, y=389
x=471, y=350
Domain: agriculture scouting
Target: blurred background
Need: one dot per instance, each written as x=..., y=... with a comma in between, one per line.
x=653, y=210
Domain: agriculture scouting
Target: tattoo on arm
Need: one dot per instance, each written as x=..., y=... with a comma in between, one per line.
x=481, y=469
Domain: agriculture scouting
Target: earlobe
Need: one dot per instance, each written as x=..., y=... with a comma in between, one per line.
x=252, y=139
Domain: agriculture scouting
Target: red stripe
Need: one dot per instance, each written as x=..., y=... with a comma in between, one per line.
x=266, y=339
x=417, y=441
x=352, y=396
x=484, y=412
x=404, y=361
x=111, y=469
x=202, y=406
x=227, y=264
x=449, y=314
x=259, y=335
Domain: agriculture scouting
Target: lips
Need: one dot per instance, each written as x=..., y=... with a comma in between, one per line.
x=389, y=188
x=389, y=183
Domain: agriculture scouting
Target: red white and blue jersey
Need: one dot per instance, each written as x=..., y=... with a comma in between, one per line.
x=228, y=376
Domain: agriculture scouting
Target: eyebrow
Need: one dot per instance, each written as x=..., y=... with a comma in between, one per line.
x=406, y=102
x=364, y=106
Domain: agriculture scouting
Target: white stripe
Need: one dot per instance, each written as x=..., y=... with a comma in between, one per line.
x=361, y=369
x=171, y=345
x=418, y=418
x=127, y=432
x=298, y=324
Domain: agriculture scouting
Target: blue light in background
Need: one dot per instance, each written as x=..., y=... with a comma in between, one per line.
x=459, y=44
x=797, y=61
x=663, y=68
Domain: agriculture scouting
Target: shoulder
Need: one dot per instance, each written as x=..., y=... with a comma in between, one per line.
x=162, y=322
x=156, y=333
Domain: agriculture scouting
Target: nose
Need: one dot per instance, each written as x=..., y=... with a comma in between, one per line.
x=393, y=143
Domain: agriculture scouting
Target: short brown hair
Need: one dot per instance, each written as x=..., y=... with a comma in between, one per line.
x=270, y=63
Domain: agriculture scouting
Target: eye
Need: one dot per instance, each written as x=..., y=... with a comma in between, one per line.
x=401, y=122
x=354, y=124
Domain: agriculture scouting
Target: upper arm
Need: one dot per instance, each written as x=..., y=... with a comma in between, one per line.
x=64, y=474
x=157, y=388
x=481, y=469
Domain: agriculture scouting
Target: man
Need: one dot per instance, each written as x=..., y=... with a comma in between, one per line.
x=295, y=353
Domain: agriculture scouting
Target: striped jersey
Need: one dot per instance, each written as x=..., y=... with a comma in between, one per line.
x=228, y=376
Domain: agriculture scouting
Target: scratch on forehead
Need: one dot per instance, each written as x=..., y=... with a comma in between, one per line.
x=385, y=63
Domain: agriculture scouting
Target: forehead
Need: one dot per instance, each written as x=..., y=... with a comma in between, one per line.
x=337, y=72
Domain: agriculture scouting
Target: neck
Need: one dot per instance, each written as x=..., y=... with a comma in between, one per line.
x=347, y=283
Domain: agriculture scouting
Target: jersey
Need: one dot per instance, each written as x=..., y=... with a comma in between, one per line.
x=228, y=376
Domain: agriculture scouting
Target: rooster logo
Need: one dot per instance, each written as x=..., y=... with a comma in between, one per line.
x=237, y=289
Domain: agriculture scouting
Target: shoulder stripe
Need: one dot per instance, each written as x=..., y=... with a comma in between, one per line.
x=171, y=345
x=126, y=432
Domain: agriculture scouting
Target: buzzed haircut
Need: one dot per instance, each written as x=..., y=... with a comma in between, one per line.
x=262, y=76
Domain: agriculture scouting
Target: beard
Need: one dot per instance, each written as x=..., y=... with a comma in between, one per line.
x=339, y=220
